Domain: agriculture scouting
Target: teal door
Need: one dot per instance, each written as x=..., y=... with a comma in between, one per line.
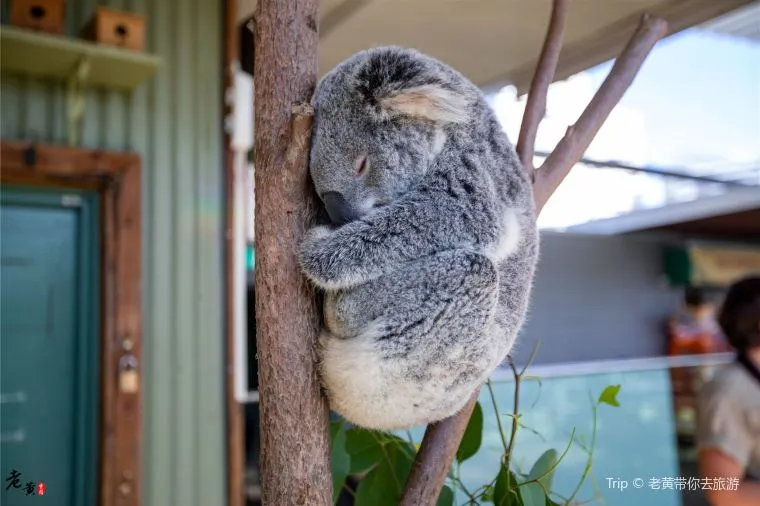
x=48, y=367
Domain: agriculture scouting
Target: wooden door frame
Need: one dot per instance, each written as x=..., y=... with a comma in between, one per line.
x=235, y=454
x=116, y=177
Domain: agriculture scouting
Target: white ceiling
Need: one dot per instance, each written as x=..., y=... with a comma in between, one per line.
x=497, y=42
x=743, y=22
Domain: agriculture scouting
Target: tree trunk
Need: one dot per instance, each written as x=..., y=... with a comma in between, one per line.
x=295, y=439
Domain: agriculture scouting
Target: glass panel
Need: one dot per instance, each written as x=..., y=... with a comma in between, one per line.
x=644, y=450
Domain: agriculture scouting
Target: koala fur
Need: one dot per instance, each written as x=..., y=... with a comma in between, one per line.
x=428, y=267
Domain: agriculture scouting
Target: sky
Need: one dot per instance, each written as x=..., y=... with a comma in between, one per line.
x=694, y=106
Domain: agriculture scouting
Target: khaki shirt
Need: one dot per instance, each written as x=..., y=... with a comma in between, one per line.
x=728, y=417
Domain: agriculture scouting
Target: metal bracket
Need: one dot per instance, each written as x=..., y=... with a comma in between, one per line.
x=17, y=436
x=71, y=201
x=75, y=98
x=30, y=156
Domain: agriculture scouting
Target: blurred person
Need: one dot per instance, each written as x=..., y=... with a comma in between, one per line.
x=729, y=406
x=693, y=328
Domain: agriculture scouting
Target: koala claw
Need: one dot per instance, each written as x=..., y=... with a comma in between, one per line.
x=315, y=247
x=318, y=233
x=312, y=239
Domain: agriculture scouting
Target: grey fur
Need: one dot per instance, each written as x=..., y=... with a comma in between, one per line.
x=419, y=306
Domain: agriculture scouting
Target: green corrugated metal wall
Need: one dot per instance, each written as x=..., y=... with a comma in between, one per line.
x=174, y=121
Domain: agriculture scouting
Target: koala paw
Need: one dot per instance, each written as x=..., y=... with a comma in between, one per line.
x=311, y=255
x=312, y=240
x=327, y=260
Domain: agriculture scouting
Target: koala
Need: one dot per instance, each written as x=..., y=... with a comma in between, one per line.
x=427, y=267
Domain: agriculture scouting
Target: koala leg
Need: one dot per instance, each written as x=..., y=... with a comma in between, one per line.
x=410, y=347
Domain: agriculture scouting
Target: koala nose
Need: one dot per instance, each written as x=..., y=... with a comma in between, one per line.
x=338, y=208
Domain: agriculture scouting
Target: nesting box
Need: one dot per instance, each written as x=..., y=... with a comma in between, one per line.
x=39, y=15
x=116, y=28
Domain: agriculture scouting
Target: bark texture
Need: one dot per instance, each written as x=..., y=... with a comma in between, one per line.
x=295, y=439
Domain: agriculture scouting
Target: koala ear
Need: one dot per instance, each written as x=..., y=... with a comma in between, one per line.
x=430, y=102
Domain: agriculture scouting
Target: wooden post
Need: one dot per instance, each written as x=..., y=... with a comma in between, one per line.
x=235, y=414
x=295, y=438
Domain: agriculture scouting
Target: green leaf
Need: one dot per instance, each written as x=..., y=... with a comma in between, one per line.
x=340, y=460
x=337, y=426
x=446, y=498
x=473, y=435
x=533, y=494
x=401, y=442
x=550, y=502
x=487, y=494
x=375, y=488
x=505, y=489
x=609, y=395
x=364, y=449
x=543, y=469
x=383, y=485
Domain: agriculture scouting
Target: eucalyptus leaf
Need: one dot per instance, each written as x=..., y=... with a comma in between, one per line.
x=473, y=435
x=340, y=460
x=609, y=395
x=505, y=491
x=374, y=489
x=543, y=469
x=487, y=494
x=405, y=446
x=363, y=449
x=335, y=427
x=383, y=485
x=533, y=494
x=446, y=498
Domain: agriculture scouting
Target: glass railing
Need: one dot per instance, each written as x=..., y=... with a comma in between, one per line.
x=643, y=449
x=641, y=440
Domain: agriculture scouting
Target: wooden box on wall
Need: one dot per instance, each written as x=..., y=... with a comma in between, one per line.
x=116, y=28
x=39, y=15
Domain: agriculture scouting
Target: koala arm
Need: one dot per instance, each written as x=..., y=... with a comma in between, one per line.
x=413, y=227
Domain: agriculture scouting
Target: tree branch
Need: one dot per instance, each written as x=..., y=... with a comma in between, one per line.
x=442, y=439
x=434, y=458
x=579, y=136
x=535, y=106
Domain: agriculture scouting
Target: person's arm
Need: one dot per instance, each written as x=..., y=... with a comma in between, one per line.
x=714, y=463
x=724, y=444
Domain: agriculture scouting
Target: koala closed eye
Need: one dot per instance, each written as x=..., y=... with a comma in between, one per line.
x=361, y=165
